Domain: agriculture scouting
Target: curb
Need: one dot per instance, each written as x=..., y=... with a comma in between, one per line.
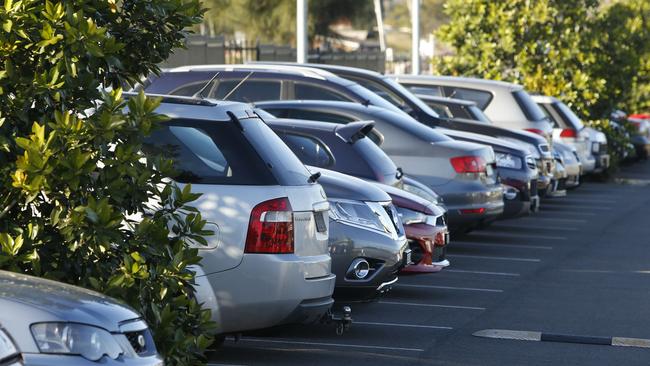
x=520, y=335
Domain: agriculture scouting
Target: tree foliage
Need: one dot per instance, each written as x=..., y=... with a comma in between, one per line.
x=275, y=20
x=74, y=184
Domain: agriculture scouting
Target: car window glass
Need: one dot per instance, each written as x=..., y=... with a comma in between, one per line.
x=208, y=153
x=547, y=113
x=380, y=90
x=319, y=116
x=189, y=90
x=304, y=91
x=570, y=116
x=309, y=150
x=480, y=97
x=250, y=90
x=432, y=90
x=532, y=111
x=441, y=109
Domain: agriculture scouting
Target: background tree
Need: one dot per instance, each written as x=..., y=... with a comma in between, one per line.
x=74, y=185
x=546, y=45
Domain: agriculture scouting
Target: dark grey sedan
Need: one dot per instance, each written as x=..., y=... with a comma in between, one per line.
x=46, y=323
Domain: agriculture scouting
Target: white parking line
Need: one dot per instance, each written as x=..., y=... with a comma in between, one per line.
x=558, y=220
x=484, y=272
x=564, y=212
x=485, y=245
x=570, y=208
x=585, y=200
x=402, y=325
x=431, y=305
x=449, y=288
x=514, y=259
x=519, y=236
x=327, y=344
x=559, y=228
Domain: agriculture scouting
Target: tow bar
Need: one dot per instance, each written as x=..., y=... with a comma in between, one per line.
x=343, y=321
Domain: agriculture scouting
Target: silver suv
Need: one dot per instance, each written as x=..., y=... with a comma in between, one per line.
x=268, y=262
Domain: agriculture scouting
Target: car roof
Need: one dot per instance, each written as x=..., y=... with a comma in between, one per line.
x=325, y=103
x=446, y=100
x=277, y=68
x=197, y=108
x=544, y=99
x=459, y=81
x=326, y=68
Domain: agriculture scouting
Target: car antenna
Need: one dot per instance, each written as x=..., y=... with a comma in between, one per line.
x=238, y=85
x=199, y=94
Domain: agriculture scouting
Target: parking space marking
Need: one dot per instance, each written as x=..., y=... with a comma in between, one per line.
x=571, y=208
x=449, y=288
x=509, y=246
x=403, y=325
x=484, y=272
x=431, y=305
x=327, y=344
x=565, y=212
x=559, y=220
x=519, y=236
x=569, y=202
x=514, y=259
x=530, y=227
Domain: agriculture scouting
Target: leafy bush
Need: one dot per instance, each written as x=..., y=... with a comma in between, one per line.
x=74, y=186
x=618, y=141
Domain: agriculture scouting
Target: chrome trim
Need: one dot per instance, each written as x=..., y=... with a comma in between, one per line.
x=389, y=283
x=133, y=326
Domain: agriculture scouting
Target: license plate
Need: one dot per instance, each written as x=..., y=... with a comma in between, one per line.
x=320, y=222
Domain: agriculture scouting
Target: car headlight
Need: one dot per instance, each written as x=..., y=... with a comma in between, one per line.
x=90, y=342
x=508, y=161
x=369, y=215
x=421, y=193
x=7, y=347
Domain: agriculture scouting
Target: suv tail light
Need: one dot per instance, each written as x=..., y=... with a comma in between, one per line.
x=468, y=164
x=535, y=130
x=568, y=132
x=270, y=229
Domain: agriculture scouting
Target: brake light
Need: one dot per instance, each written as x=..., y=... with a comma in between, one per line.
x=270, y=229
x=568, y=132
x=535, y=130
x=468, y=164
x=473, y=211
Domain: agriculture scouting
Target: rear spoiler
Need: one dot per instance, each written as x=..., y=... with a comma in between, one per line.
x=354, y=131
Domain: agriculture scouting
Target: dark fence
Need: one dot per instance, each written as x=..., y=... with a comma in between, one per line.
x=207, y=50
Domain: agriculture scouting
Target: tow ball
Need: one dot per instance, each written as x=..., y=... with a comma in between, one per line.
x=342, y=320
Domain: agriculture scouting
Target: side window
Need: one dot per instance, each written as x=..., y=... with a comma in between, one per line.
x=304, y=91
x=480, y=97
x=432, y=90
x=441, y=109
x=250, y=90
x=217, y=154
x=546, y=108
x=309, y=150
x=380, y=90
x=319, y=116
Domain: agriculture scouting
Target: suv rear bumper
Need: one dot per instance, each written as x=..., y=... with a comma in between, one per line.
x=265, y=290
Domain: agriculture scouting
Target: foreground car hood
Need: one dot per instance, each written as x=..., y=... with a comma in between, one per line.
x=343, y=186
x=26, y=300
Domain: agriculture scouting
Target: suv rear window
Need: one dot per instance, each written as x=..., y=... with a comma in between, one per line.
x=209, y=153
x=528, y=106
x=570, y=117
x=480, y=97
x=248, y=91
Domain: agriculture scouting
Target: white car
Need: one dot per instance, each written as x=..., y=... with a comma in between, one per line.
x=506, y=104
x=268, y=262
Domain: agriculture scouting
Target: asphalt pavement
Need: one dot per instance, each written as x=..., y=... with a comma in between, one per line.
x=581, y=266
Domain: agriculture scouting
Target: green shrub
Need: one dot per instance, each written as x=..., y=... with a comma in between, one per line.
x=74, y=186
x=618, y=142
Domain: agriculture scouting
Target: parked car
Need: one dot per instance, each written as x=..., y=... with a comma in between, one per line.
x=346, y=149
x=269, y=256
x=253, y=83
x=402, y=98
x=43, y=322
x=569, y=129
x=367, y=241
x=462, y=173
x=506, y=104
x=464, y=115
x=571, y=163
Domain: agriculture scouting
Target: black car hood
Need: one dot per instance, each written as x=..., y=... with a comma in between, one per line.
x=343, y=186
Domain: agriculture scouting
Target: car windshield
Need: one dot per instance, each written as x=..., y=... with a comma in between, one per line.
x=406, y=94
x=478, y=114
x=528, y=106
x=570, y=116
x=373, y=98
